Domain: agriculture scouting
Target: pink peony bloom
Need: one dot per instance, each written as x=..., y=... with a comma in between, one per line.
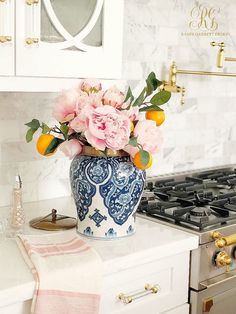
x=148, y=135
x=113, y=97
x=65, y=106
x=132, y=113
x=90, y=86
x=71, y=148
x=85, y=105
x=107, y=127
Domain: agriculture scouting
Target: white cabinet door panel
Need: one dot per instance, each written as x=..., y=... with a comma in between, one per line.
x=7, y=58
x=55, y=38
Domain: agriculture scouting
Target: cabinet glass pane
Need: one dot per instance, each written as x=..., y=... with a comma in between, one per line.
x=73, y=15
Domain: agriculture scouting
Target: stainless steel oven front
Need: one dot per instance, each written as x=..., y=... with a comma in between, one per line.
x=218, y=296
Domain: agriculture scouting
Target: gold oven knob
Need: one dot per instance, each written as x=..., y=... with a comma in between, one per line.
x=221, y=241
x=222, y=259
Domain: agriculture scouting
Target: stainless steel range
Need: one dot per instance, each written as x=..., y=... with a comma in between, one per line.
x=203, y=203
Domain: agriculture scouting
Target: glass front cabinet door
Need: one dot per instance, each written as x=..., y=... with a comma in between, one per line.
x=75, y=38
x=7, y=37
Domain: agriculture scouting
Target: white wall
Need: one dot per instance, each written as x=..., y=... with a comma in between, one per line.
x=202, y=133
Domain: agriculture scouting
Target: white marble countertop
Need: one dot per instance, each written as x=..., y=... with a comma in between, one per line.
x=152, y=241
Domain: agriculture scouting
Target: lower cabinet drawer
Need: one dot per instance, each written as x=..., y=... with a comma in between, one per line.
x=169, y=276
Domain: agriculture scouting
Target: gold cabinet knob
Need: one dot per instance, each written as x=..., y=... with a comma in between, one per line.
x=222, y=259
x=2, y=0
x=4, y=39
x=31, y=2
x=31, y=41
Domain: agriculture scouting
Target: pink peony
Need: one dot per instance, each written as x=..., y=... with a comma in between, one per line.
x=65, y=106
x=71, y=148
x=90, y=86
x=107, y=127
x=85, y=104
x=113, y=97
x=149, y=135
x=132, y=113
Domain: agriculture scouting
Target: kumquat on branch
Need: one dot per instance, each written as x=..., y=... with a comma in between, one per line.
x=106, y=120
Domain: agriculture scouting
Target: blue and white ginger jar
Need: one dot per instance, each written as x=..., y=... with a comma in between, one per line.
x=107, y=191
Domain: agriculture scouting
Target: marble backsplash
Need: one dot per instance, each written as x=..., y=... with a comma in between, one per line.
x=199, y=134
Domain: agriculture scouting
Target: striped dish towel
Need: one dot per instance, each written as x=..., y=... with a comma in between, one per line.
x=67, y=272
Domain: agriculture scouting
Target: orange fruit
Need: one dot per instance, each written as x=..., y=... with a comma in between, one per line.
x=43, y=142
x=157, y=116
x=138, y=162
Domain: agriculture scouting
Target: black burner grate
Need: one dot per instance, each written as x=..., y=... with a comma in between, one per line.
x=198, y=201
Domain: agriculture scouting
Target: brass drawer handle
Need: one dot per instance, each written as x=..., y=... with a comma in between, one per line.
x=31, y=41
x=128, y=298
x=4, y=39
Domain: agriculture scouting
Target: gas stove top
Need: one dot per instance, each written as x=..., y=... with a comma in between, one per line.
x=199, y=201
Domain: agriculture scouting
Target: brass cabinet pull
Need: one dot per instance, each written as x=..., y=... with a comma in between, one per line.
x=4, y=39
x=31, y=2
x=31, y=40
x=128, y=298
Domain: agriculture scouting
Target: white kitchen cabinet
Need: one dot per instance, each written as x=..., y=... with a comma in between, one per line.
x=79, y=38
x=7, y=44
x=169, y=275
x=156, y=255
x=59, y=39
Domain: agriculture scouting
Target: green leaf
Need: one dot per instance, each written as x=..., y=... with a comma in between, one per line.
x=45, y=128
x=140, y=99
x=133, y=141
x=144, y=157
x=151, y=108
x=64, y=128
x=53, y=145
x=34, y=124
x=152, y=83
x=160, y=98
x=149, y=88
x=129, y=95
x=29, y=135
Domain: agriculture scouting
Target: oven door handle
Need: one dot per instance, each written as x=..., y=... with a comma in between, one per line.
x=221, y=279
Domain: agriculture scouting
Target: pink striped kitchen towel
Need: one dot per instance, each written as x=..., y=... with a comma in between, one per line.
x=67, y=273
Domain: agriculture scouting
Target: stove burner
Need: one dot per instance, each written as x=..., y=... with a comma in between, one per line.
x=198, y=202
x=200, y=211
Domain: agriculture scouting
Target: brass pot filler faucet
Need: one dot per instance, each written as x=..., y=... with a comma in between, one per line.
x=171, y=86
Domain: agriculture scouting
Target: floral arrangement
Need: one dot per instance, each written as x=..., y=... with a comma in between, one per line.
x=106, y=120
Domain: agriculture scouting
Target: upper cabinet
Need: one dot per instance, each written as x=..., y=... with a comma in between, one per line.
x=61, y=39
x=7, y=44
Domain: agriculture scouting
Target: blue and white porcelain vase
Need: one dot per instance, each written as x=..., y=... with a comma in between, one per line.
x=107, y=191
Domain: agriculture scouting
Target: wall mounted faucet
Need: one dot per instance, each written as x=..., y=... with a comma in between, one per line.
x=221, y=54
x=171, y=85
